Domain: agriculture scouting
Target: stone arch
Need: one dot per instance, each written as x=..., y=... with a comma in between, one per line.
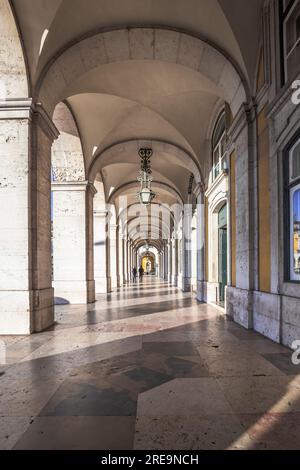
x=159, y=44
x=137, y=204
x=175, y=154
x=156, y=243
x=218, y=202
x=14, y=80
x=124, y=223
x=162, y=231
x=137, y=222
x=132, y=184
x=67, y=155
x=154, y=221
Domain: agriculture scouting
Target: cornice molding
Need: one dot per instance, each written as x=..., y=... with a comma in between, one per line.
x=74, y=186
x=25, y=109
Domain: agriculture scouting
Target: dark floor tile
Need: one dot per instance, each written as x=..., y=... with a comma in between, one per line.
x=171, y=348
x=182, y=368
x=79, y=433
x=82, y=399
x=283, y=362
x=245, y=335
x=146, y=379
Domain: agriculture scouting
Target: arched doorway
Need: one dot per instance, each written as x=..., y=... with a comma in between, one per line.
x=222, y=252
x=148, y=264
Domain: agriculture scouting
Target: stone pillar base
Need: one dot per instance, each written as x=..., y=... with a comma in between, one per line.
x=175, y=280
x=239, y=306
x=114, y=282
x=26, y=312
x=290, y=320
x=202, y=291
x=74, y=292
x=266, y=315
x=276, y=317
x=120, y=281
x=186, y=284
x=108, y=284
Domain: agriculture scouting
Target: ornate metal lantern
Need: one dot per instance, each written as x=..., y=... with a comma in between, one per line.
x=145, y=195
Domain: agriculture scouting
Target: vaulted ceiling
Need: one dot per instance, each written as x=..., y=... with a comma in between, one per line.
x=230, y=24
x=126, y=101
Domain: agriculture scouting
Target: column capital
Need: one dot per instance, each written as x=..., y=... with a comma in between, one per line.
x=44, y=121
x=243, y=118
x=26, y=109
x=101, y=214
x=199, y=190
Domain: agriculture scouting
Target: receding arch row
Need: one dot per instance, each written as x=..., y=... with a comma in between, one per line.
x=129, y=211
x=158, y=232
x=137, y=244
x=150, y=221
x=132, y=44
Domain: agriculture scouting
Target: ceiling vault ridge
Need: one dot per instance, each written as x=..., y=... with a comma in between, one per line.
x=146, y=142
x=154, y=27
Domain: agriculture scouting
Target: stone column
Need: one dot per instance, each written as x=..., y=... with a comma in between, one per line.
x=113, y=256
x=131, y=259
x=187, y=249
x=125, y=261
x=128, y=261
x=239, y=298
x=108, y=258
x=162, y=265
x=159, y=265
x=134, y=258
x=120, y=257
x=170, y=262
x=26, y=294
x=174, y=261
x=201, y=281
x=73, y=255
x=166, y=263
x=100, y=243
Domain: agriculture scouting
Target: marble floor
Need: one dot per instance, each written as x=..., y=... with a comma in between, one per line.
x=147, y=368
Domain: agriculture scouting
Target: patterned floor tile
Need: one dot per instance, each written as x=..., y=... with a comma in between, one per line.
x=152, y=357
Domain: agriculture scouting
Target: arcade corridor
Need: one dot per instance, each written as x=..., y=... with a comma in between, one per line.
x=148, y=368
x=155, y=140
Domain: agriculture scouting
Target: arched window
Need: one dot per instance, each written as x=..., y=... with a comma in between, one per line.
x=292, y=178
x=219, y=146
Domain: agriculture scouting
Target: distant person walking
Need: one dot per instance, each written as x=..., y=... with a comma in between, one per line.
x=134, y=274
x=141, y=273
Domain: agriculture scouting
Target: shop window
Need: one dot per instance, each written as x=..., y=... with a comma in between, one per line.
x=293, y=201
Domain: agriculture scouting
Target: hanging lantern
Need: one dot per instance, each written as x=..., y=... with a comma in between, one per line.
x=145, y=195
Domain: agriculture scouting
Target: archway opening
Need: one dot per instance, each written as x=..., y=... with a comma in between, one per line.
x=148, y=264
